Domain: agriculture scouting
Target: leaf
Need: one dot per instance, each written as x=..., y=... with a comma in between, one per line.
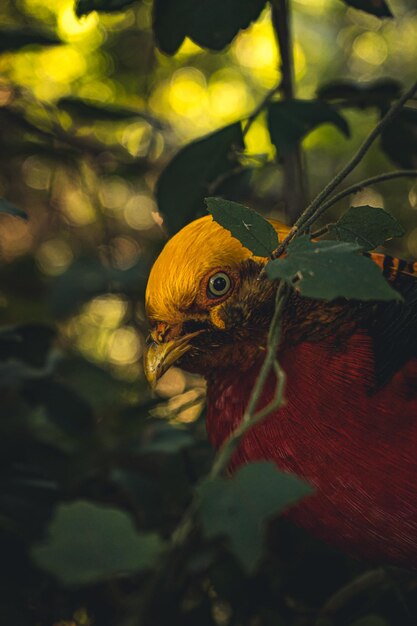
x=367, y=226
x=94, y=111
x=12, y=39
x=239, y=507
x=361, y=95
x=88, y=543
x=290, y=121
x=211, y=24
x=10, y=209
x=399, y=138
x=377, y=7
x=327, y=270
x=370, y=620
x=84, y=7
x=166, y=439
x=251, y=229
x=184, y=183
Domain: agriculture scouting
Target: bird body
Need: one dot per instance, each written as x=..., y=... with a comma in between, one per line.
x=349, y=424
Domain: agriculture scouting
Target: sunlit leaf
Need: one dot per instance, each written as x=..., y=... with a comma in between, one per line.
x=377, y=7
x=212, y=24
x=251, y=229
x=239, y=507
x=83, y=7
x=326, y=270
x=361, y=95
x=290, y=121
x=12, y=39
x=185, y=182
x=89, y=543
x=11, y=209
x=367, y=226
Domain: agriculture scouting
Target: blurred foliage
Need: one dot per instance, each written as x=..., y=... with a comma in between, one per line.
x=107, y=144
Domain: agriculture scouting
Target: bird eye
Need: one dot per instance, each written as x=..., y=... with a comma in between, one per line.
x=218, y=285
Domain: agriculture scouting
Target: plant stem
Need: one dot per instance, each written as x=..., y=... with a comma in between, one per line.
x=294, y=183
x=357, y=187
x=309, y=214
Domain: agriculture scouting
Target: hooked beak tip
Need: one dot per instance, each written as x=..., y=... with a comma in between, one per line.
x=159, y=357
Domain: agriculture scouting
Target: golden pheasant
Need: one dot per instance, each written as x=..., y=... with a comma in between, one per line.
x=349, y=426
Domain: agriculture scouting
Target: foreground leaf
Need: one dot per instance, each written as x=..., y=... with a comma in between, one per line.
x=11, y=209
x=239, y=507
x=367, y=226
x=251, y=229
x=88, y=543
x=212, y=24
x=377, y=7
x=290, y=121
x=184, y=183
x=327, y=270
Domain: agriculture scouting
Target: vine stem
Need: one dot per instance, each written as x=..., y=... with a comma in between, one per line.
x=358, y=187
x=309, y=214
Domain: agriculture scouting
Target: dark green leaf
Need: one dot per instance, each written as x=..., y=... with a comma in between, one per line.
x=327, y=270
x=290, y=121
x=239, y=507
x=184, y=183
x=212, y=24
x=367, y=226
x=361, y=95
x=83, y=7
x=12, y=39
x=94, y=111
x=399, y=138
x=377, y=7
x=88, y=543
x=251, y=229
x=10, y=209
x=166, y=439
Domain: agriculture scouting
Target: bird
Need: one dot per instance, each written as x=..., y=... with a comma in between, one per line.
x=349, y=423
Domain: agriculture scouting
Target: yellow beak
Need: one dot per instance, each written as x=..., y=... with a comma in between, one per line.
x=159, y=357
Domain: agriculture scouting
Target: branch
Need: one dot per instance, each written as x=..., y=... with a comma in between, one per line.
x=309, y=214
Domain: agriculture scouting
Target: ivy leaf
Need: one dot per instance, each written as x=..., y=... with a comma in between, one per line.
x=290, y=121
x=377, y=7
x=367, y=226
x=84, y=7
x=327, y=270
x=239, y=507
x=11, y=209
x=88, y=543
x=212, y=24
x=251, y=229
x=12, y=39
x=184, y=183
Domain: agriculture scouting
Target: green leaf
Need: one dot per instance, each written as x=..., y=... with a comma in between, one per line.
x=12, y=39
x=211, y=24
x=377, y=7
x=399, y=138
x=251, y=229
x=367, y=226
x=239, y=507
x=88, y=543
x=10, y=209
x=184, y=183
x=290, y=121
x=327, y=270
x=377, y=93
x=84, y=7
x=166, y=439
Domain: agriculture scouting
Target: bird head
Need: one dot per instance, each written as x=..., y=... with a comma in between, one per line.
x=207, y=306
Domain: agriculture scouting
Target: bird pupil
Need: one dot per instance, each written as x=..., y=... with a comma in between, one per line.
x=219, y=283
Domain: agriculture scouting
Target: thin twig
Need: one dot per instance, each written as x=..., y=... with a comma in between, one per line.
x=252, y=117
x=310, y=212
x=358, y=187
